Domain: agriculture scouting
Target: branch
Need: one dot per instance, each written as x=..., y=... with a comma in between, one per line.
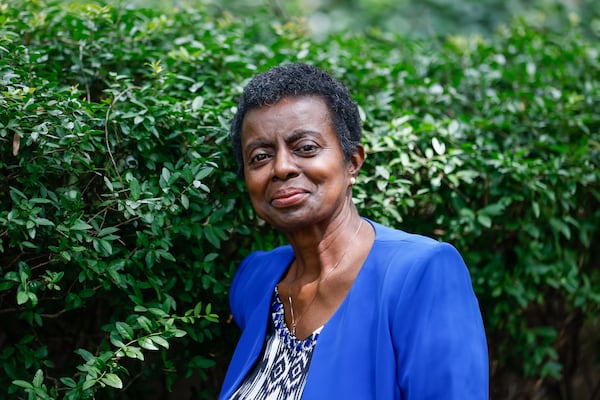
x=55, y=315
x=108, y=111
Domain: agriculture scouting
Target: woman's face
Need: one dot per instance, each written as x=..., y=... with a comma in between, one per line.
x=293, y=164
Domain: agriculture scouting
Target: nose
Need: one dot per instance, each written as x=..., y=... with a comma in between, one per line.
x=284, y=166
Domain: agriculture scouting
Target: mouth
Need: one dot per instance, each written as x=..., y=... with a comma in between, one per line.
x=288, y=198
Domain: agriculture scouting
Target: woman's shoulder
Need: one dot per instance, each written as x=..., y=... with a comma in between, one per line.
x=402, y=264
x=386, y=236
x=403, y=250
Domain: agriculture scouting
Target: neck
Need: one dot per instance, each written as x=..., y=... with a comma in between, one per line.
x=319, y=248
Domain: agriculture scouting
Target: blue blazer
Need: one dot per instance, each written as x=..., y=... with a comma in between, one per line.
x=410, y=327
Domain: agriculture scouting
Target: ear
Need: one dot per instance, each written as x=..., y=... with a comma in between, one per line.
x=356, y=161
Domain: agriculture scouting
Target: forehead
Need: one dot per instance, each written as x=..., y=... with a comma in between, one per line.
x=289, y=113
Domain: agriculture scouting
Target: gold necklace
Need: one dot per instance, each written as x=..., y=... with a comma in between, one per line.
x=327, y=274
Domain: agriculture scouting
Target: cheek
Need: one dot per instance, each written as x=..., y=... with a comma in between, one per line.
x=255, y=190
x=258, y=201
x=330, y=175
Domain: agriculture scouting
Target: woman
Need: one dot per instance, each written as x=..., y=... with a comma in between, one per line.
x=350, y=309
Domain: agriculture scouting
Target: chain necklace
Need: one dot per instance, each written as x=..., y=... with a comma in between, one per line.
x=327, y=274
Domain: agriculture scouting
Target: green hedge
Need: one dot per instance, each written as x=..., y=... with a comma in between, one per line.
x=122, y=221
x=418, y=18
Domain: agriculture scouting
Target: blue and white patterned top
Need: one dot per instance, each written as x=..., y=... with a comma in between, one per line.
x=280, y=373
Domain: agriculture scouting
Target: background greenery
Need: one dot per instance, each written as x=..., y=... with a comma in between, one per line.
x=122, y=222
x=408, y=17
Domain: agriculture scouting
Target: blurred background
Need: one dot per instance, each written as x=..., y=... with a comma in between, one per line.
x=409, y=18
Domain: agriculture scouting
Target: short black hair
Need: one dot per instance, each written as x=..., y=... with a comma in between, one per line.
x=294, y=80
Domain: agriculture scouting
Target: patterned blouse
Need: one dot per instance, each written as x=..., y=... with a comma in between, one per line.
x=280, y=373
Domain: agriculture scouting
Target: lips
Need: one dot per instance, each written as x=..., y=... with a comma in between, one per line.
x=288, y=197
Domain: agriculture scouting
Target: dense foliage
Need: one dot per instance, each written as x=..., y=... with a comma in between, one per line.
x=122, y=221
x=422, y=18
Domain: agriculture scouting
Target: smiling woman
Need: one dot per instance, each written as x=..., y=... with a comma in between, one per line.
x=350, y=308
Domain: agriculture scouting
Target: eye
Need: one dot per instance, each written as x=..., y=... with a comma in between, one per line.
x=306, y=149
x=259, y=157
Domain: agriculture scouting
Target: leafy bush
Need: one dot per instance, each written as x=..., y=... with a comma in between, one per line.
x=410, y=18
x=122, y=221
x=112, y=238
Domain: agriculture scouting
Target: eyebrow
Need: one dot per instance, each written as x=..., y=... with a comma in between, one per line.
x=255, y=144
x=301, y=134
x=294, y=137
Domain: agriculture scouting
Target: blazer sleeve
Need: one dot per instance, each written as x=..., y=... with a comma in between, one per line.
x=440, y=341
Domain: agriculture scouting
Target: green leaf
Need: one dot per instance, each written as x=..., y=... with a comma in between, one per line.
x=80, y=226
x=198, y=309
x=204, y=172
x=116, y=340
x=160, y=341
x=112, y=380
x=166, y=175
x=158, y=312
x=150, y=258
x=23, y=384
x=493, y=209
x=43, y=221
x=210, y=257
x=210, y=234
x=38, y=379
x=484, y=220
x=69, y=382
x=134, y=352
x=88, y=384
x=438, y=146
x=22, y=297
x=185, y=201
x=124, y=330
x=86, y=355
x=107, y=231
x=179, y=333
x=197, y=103
x=135, y=189
x=104, y=246
x=165, y=255
x=144, y=323
x=561, y=226
x=109, y=184
x=147, y=344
